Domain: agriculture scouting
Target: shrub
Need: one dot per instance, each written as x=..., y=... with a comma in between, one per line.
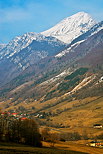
x=75, y=136
x=79, y=71
x=100, y=136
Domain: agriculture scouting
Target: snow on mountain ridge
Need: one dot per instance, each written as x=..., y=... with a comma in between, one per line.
x=62, y=53
x=20, y=42
x=95, y=29
x=71, y=27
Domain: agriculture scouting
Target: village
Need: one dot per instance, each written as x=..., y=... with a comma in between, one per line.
x=25, y=116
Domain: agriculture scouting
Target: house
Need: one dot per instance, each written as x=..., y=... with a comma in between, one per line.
x=14, y=114
x=101, y=79
x=98, y=126
x=92, y=143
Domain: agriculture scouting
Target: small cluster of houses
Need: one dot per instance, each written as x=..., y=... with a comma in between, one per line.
x=24, y=116
x=42, y=115
x=15, y=115
x=96, y=144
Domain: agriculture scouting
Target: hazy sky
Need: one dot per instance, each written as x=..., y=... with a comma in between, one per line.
x=20, y=16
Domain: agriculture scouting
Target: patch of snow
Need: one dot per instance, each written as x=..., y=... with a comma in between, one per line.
x=65, y=72
x=70, y=49
x=96, y=28
x=84, y=82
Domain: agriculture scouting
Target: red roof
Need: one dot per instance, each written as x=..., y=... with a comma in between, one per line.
x=23, y=118
x=14, y=113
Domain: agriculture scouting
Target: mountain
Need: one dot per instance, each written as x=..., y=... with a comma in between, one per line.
x=37, y=50
x=24, y=51
x=33, y=50
x=71, y=27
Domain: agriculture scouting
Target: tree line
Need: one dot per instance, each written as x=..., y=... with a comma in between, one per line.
x=18, y=131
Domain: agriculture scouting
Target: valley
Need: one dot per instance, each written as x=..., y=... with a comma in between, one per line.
x=56, y=79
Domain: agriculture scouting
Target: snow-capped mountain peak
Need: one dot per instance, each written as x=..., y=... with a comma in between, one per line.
x=71, y=27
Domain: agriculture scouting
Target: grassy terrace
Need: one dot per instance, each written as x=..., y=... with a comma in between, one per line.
x=11, y=148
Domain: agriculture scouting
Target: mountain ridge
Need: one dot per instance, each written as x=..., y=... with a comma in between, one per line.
x=31, y=48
